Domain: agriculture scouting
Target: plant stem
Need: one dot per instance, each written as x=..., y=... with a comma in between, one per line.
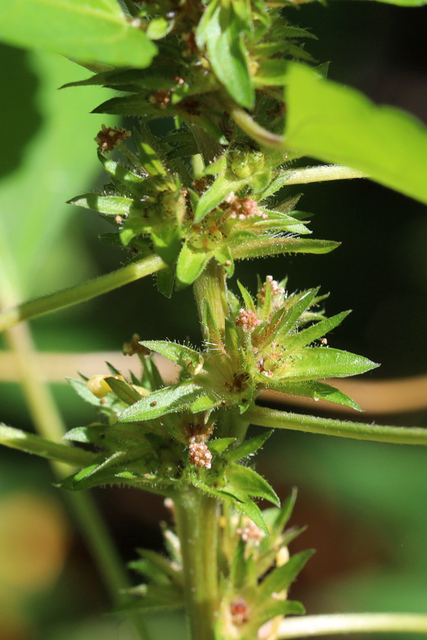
x=210, y=287
x=308, y=626
x=322, y=173
x=274, y=419
x=264, y=137
x=197, y=527
x=81, y=292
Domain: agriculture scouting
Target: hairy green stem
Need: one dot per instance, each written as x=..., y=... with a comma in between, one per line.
x=264, y=137
x=322, y=173
x=197, y=527
x=210, y=287
x=308, y=626
x=274, y=419
x=23, y=441
x=81, y=292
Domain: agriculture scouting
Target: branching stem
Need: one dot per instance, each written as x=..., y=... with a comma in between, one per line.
x=81, y=292
x=274, y=419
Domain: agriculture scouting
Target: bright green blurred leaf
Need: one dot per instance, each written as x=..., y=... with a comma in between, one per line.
x=58, y=159
x=334, y=123
x=89, y=31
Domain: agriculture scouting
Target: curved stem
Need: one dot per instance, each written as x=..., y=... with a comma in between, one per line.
x=81, y=292
x=274, y=419
x=253, y=129
x=308, y=626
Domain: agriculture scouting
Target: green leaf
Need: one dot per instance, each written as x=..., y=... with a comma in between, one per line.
x=247, y=299
x=159, y=403
x=166, y=281
x=285, y=511
x=93, y=31
x=123, y=390
x=281, y=578
x=30, y=443
x=93, y=434
x=298, y=304
x=220, y=444
x=317, y=362
x=269, y=246
x=247, y=481
x=238, y=567
x=248, y=447
x=156, y=596
x=191, y=264
x=179, y=353
x=167, y=242
x=314, y=332
x=316, y=390
x=204, y=403
x=221, y=32
x=109, y=205
x=81, y=389
x=279, y=608
x=162, y=564
x=405, y=3
x=51, y=155
x=334, y=123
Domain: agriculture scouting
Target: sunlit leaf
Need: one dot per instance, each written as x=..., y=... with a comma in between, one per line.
x=334, y=123
x=158, y=403
x=94, y=31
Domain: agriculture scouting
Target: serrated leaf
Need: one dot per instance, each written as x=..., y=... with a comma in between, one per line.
x=318, y=362
x=248, y=482
x=191, y=264
x=248, y=447
x=281, y=577
x=334, y=123
x=159, y=403
x=93, y=31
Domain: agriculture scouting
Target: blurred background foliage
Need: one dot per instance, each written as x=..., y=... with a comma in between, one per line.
x=364, y=504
